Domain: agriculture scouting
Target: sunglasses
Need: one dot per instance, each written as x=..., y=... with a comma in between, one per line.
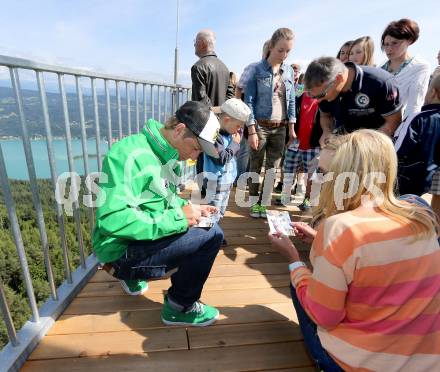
x=324, y=92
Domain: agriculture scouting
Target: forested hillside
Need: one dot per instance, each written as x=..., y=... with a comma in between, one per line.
x=10, y=270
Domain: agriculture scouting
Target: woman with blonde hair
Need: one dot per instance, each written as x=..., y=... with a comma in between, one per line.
x=362, y=51
x=372, y=299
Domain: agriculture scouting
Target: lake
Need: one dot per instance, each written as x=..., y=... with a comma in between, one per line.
x=16, y=162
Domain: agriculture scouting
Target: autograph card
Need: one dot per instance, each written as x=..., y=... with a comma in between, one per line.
x=279, y=220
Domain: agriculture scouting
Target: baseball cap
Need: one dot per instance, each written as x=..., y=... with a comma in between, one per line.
x=200, y=120
x=236, y=109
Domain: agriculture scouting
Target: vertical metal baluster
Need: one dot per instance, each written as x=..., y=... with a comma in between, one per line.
x=118, y=103
x=144, y=96
x=136, y=98
x=76, y=212
x=188, y=95
x=97, y=128
x=54, y=176
x=127, y=98
x=159, y=109
x=10, y=206
x=109, y=114
x=33, y=180
x=152, y=101
x=7, y=316
x=178, y=93
x=85, y=150
x=165, y=113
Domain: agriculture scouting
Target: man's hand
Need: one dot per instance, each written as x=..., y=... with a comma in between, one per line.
x=284, y=246
x=192, y=213
x=207, y=210
x=236, y=137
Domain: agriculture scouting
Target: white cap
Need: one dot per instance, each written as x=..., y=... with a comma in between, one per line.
x=236, y=109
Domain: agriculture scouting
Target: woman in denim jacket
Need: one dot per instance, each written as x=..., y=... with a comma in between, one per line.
x=270, y=94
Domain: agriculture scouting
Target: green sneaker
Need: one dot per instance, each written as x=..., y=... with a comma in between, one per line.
x=255, y=211
x=200, y=315
x=305, y=205
x=263, y=213
x=134, y=287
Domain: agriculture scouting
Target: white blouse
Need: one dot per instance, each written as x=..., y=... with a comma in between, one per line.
x=413, y=81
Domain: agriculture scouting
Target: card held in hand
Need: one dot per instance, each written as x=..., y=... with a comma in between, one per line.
x=208, y=221
x=280, y=221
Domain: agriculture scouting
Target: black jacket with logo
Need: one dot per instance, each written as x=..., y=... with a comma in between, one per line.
x=372, y=97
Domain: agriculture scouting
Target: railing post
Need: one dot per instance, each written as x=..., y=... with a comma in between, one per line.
x=84, y=144
x=127, y=100
x=12, y=335
x=118, y=103
x=10, y=206
x=33, y=179
x=54, y=175
x=75, y=190
x=97, y=128
x=109, y=114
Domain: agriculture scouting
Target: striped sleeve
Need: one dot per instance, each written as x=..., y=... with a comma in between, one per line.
x=323, y=292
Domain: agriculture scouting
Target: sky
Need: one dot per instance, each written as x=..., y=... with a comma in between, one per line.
x=137, y=38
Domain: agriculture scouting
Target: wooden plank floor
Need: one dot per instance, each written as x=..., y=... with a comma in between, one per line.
x=105, y=330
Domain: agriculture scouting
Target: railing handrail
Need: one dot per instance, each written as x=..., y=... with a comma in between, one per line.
x=28, y=64
x=168, y=97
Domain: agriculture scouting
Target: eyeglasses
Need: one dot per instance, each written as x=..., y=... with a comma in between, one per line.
x=324, y=92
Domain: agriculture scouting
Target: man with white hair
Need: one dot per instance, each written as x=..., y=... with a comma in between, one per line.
x=210, y=77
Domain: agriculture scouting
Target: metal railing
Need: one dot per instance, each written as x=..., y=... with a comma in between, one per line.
x=158, y=102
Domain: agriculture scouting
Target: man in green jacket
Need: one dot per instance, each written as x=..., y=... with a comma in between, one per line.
x=144, y=229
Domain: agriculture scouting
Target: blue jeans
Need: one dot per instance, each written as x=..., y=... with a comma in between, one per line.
x=192, y=253
x=309, y=330
x=242, y=158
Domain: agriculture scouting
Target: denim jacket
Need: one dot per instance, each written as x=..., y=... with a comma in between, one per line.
x=259, y=91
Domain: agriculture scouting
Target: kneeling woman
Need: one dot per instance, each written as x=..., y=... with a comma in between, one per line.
x=372, y=301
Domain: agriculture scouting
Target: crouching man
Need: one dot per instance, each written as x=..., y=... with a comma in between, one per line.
x=144, y=229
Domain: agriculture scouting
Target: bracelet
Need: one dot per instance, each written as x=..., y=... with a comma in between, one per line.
x=295, y=265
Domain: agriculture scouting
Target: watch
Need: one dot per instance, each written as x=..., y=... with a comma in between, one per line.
x=295, y=265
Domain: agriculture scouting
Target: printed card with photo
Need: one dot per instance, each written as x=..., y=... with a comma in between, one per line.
x=280, y=220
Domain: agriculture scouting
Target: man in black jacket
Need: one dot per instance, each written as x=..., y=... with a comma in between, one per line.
x=210, y=78
x=209, y=75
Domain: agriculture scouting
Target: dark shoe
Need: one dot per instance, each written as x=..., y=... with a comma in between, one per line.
x=278, y=187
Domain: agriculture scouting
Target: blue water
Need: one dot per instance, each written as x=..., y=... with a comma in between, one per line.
x=16, y=162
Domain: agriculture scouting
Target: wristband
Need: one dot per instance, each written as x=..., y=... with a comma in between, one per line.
x=294, y=265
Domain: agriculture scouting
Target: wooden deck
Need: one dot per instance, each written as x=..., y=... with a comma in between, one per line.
x=105, y=330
